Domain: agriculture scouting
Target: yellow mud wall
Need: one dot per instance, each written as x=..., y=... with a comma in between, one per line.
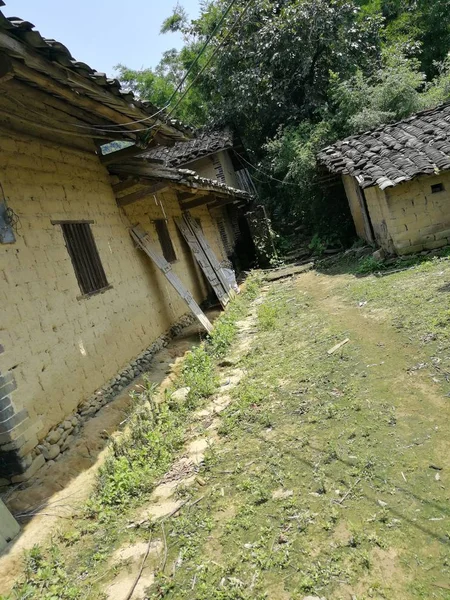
x=165, y=205
x=228, y=169
x=355, y=206
x=380, y=217
x=418, y=218
x=203, y=167
x=59, y=346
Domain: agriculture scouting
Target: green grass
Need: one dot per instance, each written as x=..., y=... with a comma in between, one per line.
x=320, y=483
x=335, y=435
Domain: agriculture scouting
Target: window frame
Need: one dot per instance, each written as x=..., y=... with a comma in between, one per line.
x=88, y=268
x=165, y=240
x=437, y=188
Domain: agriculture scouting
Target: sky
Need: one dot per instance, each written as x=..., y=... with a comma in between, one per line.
x=103, y=33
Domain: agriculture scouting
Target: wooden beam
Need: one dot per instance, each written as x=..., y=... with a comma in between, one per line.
x=199, y=201
x=146, y=169
x=185, y=195
x=139, y=194
x=6, y=68
x=53, y=87
x=125, y=184
x=40, y=101
x=129, y=152
x=222, y=202
x=118, y=155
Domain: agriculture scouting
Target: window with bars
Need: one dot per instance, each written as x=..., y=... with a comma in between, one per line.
x=224, y=236
x=85, y=258
x=164, y=239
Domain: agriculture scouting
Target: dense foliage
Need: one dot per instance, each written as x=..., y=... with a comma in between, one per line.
x=291, y=76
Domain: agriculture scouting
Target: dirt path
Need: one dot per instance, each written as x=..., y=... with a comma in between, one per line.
x=329, y=475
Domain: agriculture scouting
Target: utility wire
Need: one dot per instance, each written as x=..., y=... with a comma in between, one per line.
x=264, y=172
x=158, y=126
x=222, y=43
x=202, y=70
x=180, y=84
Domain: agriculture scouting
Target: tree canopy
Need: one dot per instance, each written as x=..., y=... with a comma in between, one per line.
x=291, y=76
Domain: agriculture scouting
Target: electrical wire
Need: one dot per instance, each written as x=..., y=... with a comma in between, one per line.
x=202, y=70
x=263, y=172
x=222, y=43
x=180, y=84
x=113, y=128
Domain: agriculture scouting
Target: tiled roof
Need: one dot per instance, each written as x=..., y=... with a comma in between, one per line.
x=393, y=154
x=183, y=153
x=23, y=31
x=180, y=177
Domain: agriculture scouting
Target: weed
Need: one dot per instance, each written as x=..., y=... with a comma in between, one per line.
x=198, y=373
x=154, y=434
x=368, y=265
x=267, y=316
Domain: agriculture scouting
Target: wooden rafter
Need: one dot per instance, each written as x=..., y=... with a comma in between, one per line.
x=139, y=194
x=121, y=186
x=198, y=200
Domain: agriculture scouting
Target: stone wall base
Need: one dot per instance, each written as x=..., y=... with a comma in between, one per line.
x=21, y=457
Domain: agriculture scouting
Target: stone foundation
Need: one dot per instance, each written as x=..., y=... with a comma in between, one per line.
x=23, y=457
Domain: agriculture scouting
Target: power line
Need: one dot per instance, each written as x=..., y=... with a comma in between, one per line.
x=222, y=43
x=176, y=90
x=263, y=172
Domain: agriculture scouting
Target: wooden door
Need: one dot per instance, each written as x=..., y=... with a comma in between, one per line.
x=204, y=245
x=203, y=261
x=143, y=240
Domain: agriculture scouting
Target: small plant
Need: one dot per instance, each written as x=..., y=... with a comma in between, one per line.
x=267, y=316
x=198, y=373
x=370, y=265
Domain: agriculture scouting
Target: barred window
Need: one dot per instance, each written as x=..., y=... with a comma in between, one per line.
x=164, y=239
x=84, y=255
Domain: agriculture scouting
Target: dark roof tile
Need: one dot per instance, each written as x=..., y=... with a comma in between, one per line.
x=394, y=153
x=182, y=153
x=55, y=51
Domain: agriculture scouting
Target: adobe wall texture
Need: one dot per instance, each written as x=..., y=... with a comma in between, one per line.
x=206, y=167
x=60, y=348
x=409, y=217
x=355, y=206
x=419, y=219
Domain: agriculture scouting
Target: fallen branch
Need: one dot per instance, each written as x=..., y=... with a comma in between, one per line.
x=350, y=489
x=335, y=348
x=163, y=564
x=442, y=586
x=138, y=576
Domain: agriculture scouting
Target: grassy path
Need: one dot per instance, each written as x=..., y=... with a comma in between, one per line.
x=323, y=475
x=323, y=481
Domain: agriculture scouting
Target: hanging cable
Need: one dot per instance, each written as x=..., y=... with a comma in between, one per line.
x=263, y=172
x=202, y=70
x=222, y=43
x=113, y=128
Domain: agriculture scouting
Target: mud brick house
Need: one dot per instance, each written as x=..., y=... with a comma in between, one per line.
x=84, y=304
x=216, y=155
x=397, y=180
